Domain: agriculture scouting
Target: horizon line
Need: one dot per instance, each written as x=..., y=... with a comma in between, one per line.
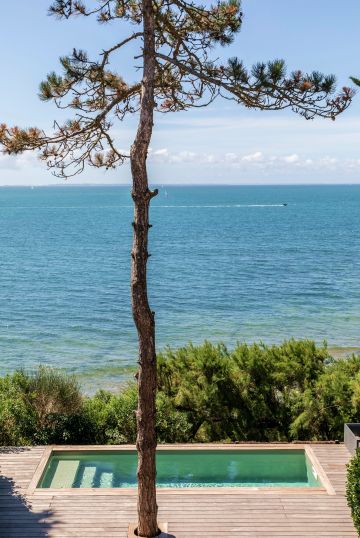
x=165, y=185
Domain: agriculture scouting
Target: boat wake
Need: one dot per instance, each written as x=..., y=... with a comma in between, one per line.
x=219, y=205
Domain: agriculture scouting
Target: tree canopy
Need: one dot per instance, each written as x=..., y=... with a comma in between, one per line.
x=186, y=76
x=355, y=80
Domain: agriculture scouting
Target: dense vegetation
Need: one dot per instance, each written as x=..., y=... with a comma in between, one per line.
x=206, y=393
x=353, y=489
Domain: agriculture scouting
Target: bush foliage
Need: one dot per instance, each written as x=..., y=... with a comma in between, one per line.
x=353, y=489
x=293, y=391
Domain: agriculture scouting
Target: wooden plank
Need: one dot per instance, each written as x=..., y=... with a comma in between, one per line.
x=249, y=513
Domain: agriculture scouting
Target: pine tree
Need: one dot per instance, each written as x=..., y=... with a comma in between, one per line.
x=175, y=40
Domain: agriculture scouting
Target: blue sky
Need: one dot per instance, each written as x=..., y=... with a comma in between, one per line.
x=221, y=144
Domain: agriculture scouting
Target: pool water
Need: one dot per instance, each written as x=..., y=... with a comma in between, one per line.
x=181, y=469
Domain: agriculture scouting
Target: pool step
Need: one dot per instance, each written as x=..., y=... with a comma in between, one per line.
x=65, y=472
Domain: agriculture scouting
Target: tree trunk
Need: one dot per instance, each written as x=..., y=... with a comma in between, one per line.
x=143, y=316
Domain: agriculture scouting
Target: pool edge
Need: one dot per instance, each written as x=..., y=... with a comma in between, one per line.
x=324, y=480
x=326, y=486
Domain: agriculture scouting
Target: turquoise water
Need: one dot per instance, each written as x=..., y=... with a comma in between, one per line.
x=182, y=469
x=228, y=263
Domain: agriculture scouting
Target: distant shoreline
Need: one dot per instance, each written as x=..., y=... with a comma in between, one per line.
x=343, y=352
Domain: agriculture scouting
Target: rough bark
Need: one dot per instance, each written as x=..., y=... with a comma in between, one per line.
x=143, y=316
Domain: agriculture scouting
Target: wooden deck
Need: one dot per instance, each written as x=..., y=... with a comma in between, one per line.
x=207, y=514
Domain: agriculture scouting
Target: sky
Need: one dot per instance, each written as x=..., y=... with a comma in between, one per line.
x=223, y=143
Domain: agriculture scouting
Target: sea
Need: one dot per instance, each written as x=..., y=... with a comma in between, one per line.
x=228, y=263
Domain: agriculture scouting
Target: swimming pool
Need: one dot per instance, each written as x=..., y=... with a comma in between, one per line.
x=185, y=468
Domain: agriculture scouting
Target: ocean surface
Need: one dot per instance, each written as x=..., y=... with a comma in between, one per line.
x=228, y=263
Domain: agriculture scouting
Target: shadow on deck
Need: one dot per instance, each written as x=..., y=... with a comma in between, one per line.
x=17, y=519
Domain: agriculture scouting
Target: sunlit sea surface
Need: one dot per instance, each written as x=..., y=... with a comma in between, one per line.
x=228, y=263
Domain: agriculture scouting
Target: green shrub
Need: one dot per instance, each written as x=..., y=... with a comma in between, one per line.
x=206, y=393
x=172, y=426
x=353, y=489
x=40, y=408
x=334, y=398
x=197, y=383
x=112, y=416
x=248, y=394
x=16, y=421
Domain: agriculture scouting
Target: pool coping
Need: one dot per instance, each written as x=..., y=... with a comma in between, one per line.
x=326, y=488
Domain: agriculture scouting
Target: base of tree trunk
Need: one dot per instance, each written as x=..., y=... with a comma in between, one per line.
x=163, y=527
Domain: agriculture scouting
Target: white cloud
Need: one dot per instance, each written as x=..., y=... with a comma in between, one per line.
x=291, y=159
x=184, y=156
x=256, y=160
x=231, y=157
x=254, y=157
x=210, y=158
x=8, y=163
x=18, y=162
x=161, y=152
x=206, y=166
x=328, y=161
